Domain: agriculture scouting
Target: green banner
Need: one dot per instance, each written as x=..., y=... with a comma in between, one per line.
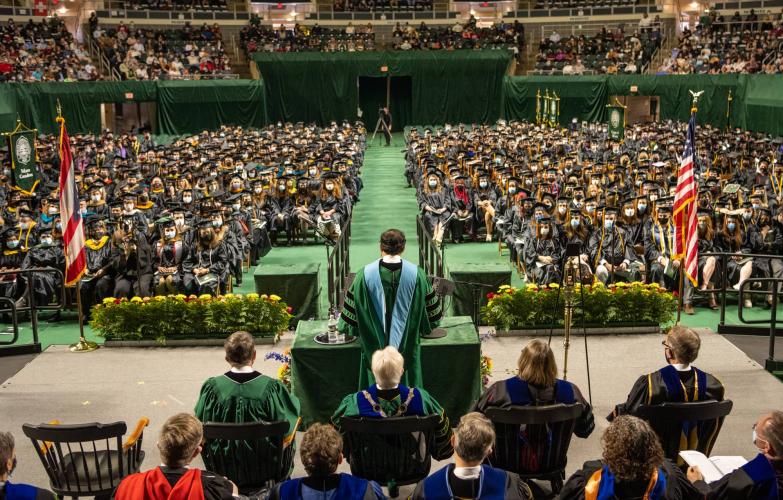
x=616, y=123
x=21, y=143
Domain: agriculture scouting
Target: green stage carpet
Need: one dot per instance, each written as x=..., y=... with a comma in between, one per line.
x=385, y=202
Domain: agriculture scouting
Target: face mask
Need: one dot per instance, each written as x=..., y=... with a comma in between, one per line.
x=217, y=223
x=608, y=224
x=546, y=163
x=512, y=190
x=46, y=241
x=702, y=225
x=128, y=207
x=663, y=220
x=179, y=222
x=206, y=236
x=561, y=210
x=281, y=188
x=433, y=183
x=528, y=182
x=756, y=206
x=258, y=190
x=12, y=244
x=236, y=185
x=329, y=187
x=590, y=209
x=170, y=234
x=538, y=217
x=731, y=226
x=236, y=206
x=24, y=225
x=187, y=199
x=544, y=231
x=52, y=210
x=313, y=172
x=95, y=197
x=747, y=216
x=58, y=226
x=642, y=207
x=575, y=223
x=83, y=211
x=482, y=184
x=653, y=197
x=629, y=212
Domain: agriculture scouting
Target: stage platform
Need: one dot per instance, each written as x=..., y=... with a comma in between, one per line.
x=126, y=383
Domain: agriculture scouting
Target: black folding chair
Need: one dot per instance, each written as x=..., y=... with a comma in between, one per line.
x=87, y=459
x=254, y=455
x=392, y=451
x=667, y=419
x=533, y=441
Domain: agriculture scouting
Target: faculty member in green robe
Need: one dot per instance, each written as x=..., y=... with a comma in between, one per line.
x=389, y=398
x=245, y=395
x=391, y=303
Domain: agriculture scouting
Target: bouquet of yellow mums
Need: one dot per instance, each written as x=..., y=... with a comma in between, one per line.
x=189, y=316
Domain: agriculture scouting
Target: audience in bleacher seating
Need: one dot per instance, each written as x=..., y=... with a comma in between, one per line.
x=147, y=54
x=8, y=489
x=244, y=395
x=536, y=384
x=466, y=35
x=470, y=476
x=257, y=38
x=762, y=477
x=739, y=46
x=321, y=453
x=388, y=398
x=582, y=4
x=678, y=382
x=42, y=51
x=606, y=52
x=206, y=5
x=632, y=466
x=179, y=442
x=380, y=5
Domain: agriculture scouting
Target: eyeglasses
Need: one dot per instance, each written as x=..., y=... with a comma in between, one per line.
x=664, y=344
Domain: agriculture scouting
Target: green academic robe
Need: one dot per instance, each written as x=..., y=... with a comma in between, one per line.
x=359, y=319
x=421, y=404
x=260, y=399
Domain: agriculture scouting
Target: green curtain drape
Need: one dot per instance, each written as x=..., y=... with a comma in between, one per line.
x=757, y=99
x=185, y=107
x=457, y=86
x=192, y=106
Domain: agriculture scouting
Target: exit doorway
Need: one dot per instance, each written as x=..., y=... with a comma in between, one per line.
x=129, y=117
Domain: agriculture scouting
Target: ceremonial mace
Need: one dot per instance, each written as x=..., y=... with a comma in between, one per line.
x=569, y=279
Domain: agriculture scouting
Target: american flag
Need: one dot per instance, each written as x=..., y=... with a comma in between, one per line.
x=686, y=240
x=73, y=228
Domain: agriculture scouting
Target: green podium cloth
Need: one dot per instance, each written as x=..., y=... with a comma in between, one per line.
x=297, y=284
x=321, y=375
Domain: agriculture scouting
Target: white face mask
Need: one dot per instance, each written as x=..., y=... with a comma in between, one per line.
x=329, y=187
x=187, y=199
x=95, y=197
x=53, y=209
x=433, y=184
x=561, y=210
x=179, y=222
x=544, y=231
x=258, y=190
x=129, y=207
x=46, y=241
x=170, y=234
x=629, y=212
x=236, y=206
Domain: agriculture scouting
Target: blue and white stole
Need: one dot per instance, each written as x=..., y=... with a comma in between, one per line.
x=402, y=303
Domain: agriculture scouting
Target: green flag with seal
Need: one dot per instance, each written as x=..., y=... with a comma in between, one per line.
x=21, y=144
x=616, y=128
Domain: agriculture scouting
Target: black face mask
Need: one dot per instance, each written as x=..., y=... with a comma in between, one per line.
x=206, y=236
x=663, y=220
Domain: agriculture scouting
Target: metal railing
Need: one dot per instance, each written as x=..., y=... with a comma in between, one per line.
x=724, y=288
x=338, y=267
x=771, y=364
x=431, y=257
x=9, y=306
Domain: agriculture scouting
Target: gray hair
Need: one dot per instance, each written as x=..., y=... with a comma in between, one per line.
x=773, y=433
x=387, y=367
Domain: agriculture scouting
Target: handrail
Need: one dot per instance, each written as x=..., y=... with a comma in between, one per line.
x=431, y=257
x=770, y=363
x=338, y=267
x=31, y=306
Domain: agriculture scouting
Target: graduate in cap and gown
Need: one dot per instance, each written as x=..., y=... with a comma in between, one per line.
x=391, y=303
x=543, y=253
x=205, y=269
x=613, y=256
x=169, y=254
x=244, y=395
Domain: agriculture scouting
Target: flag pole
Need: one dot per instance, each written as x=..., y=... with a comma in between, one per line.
x=83, y=345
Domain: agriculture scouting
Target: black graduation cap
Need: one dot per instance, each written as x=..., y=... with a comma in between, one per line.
x=704, y=212
x=205, y=223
